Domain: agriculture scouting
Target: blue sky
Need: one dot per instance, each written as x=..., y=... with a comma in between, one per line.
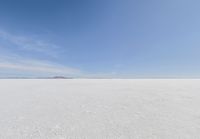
x=100, y=38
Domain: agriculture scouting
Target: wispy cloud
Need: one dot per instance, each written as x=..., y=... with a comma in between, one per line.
x=11, y=62
x=36, y=67
x=30, y=44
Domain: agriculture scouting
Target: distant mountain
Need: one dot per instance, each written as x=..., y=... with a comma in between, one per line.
x=61, y=77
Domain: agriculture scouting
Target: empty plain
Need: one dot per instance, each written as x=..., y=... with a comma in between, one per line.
x=100, y=109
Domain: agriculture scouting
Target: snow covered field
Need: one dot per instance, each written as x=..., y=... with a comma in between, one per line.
x=99, y=109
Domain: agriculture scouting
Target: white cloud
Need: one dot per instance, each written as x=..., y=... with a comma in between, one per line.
x=36, y=67
x=30, y=44
x=19, y=65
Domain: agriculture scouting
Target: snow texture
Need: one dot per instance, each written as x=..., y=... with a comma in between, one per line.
x=100, y=109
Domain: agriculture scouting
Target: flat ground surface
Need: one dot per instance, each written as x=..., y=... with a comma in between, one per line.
x=99, y=109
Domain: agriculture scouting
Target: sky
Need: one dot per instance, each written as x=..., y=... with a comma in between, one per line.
x=100, y=38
